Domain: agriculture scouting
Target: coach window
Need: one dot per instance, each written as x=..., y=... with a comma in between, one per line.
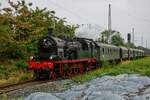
x=114, y=51
x=103, y=50
x=107, y=50
x=84, y=46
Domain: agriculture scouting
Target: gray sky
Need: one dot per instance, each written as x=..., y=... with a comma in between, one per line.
x=126, y=14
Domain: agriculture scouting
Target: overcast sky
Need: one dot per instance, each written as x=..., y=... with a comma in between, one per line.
x=126, y=14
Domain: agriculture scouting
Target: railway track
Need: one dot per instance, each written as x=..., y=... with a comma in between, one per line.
x=5, y=88
x=16, y=86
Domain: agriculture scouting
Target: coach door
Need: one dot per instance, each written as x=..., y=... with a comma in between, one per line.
x=91, y=49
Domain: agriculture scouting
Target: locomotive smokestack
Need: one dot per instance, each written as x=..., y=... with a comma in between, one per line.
x=50, y=31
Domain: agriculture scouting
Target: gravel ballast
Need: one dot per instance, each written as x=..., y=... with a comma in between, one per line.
x=121, y=87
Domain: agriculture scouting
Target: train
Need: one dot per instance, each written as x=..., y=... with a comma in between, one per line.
x=64, y=57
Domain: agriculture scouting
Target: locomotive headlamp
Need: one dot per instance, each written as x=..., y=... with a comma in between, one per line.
x=50, y=57
x=31, y=58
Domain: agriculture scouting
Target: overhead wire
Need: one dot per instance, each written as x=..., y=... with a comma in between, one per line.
x=73, y=13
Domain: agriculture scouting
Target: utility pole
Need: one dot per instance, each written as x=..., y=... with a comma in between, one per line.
x=146, y=43
x=133, y=35
x=90, y=26
x=142, y=41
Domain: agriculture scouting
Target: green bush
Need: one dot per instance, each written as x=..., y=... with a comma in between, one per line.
x=23, y=77
x=31, y=48
x=22, y=64
x=2, y=69
x=4, y=72
x=106, y=64
x=9, y=49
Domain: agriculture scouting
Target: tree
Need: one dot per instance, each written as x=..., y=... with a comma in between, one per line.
x=22, y=26
x=8, y=48
x=130, y=45
x=117, y=40
x=113, y=36
x=64, y=30
x=104, y=36
x=27, y=23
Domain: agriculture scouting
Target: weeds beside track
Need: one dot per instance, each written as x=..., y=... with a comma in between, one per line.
x=138, y=66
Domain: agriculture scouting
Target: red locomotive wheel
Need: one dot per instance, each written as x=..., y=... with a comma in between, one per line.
x=53, y=75
x=81, y=68
x=37, y=74
x=75, y=70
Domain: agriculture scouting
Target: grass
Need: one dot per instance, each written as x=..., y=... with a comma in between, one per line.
x=18, y=76
x=139, y=66
x=5, y=97
x=11, y=72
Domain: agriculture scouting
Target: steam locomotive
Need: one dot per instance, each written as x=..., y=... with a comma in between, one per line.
x=63, y=57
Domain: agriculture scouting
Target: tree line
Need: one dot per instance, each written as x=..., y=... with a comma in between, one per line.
x=21, y=26
x=114, y=37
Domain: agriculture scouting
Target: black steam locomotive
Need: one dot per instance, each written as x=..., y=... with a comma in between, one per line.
x=63, y=57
